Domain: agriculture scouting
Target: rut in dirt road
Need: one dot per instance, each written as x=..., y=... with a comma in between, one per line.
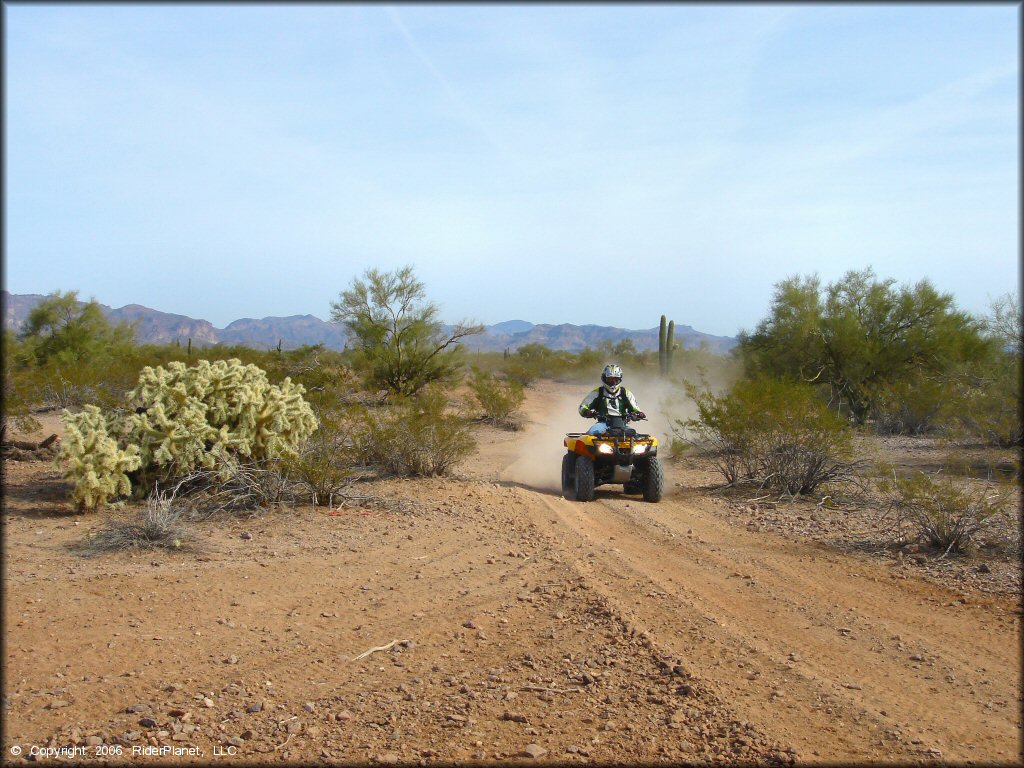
x=822, y=650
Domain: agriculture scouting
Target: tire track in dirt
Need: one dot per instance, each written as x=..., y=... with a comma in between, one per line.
x=822, y=650
x=847, y=668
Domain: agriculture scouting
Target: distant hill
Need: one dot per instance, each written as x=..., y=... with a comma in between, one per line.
x=156, y=327
x=575, y=338
x=293, y=331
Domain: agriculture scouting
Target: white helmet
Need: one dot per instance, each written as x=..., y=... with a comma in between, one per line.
x=612, y=377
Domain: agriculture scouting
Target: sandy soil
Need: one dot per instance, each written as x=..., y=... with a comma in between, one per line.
x=528, y=628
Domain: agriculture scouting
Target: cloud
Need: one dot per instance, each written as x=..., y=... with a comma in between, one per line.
x=468, y=112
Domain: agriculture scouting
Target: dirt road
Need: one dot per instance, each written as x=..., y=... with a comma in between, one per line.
x=527, y=626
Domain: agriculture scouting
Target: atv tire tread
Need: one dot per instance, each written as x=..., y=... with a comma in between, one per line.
x=568, y=476
x=584, y=479
x=654, y=480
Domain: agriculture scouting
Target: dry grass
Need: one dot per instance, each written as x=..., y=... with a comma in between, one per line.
x=160, y=524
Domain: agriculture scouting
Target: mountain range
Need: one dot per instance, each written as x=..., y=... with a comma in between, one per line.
x=155, y=327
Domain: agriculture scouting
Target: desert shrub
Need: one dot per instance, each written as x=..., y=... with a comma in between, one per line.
x=521, y=372
x=178, y=418
x=499, y=400
x=30, y=384
x=418, y=436
x=329, y=382
x=236, y=485
x=947, y=512
x=20, y=390
x=322, y=468
x=158, y=525
x=676, y=448
x=536, y=361
x=770, y=431
x=990, y=410
x=914, y=406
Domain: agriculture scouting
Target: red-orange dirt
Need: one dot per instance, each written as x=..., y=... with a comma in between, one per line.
x=527, y=626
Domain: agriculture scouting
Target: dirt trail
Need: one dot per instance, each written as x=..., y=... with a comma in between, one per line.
x=830, y=653
x=612, y=631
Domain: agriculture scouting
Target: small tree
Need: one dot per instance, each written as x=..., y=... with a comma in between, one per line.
x=499, y=400
x=1006, y=323
x=399, y=339
x=989, y=405
x=861, y=334
x=20, y=389
x=60, y=327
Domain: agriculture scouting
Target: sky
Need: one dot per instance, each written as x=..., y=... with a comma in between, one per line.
x=587, y=164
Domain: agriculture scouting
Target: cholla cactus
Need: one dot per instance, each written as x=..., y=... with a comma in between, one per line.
x=182, y=418
x=96, y=463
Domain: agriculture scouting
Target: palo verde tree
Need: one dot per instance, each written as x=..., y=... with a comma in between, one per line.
x=990, y=406
x=63, y=328
x=860, y=335
x=400, y=342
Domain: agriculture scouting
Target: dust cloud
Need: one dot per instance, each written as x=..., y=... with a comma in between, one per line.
x=552, y=412
x=538, y=464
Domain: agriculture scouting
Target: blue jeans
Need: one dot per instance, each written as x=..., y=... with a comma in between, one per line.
x=600, y=428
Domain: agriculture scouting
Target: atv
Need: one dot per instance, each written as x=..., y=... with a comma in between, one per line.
x=618, y=455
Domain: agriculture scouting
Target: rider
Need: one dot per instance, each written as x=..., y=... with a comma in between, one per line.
x=609, y=400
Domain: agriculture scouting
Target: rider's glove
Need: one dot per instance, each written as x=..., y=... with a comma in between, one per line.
x=586, y=413
x=641, y=415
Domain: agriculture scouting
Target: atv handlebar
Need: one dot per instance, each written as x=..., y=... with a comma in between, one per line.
x=626, y=417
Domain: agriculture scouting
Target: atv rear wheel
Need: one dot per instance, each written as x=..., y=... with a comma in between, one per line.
x=584, y=479
x=568, y=476
x=654, y=480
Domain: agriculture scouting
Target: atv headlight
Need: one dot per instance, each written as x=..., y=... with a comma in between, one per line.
x=604, y=448
x=640, y=448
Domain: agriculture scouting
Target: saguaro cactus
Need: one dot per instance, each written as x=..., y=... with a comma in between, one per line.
x=669, y=345
x=662, y=351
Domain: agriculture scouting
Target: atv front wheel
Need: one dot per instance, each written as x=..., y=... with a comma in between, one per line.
x=654, y=480
x=584, y=479
x=568, y=476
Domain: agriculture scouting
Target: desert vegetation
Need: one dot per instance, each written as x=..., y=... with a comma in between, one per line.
x=786, y=414
x=239, y=428
x=247, y=509
x=773, y=433
x=863, y=357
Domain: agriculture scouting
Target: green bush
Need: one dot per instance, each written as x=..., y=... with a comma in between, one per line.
x=990, y=409
x=323, y=466
x=61, y=328
x=20, y=391
x=772, y=432
x=916, y=405
x=499, y=400
x=418, y=436
x=946, y=512
x=531, y=362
